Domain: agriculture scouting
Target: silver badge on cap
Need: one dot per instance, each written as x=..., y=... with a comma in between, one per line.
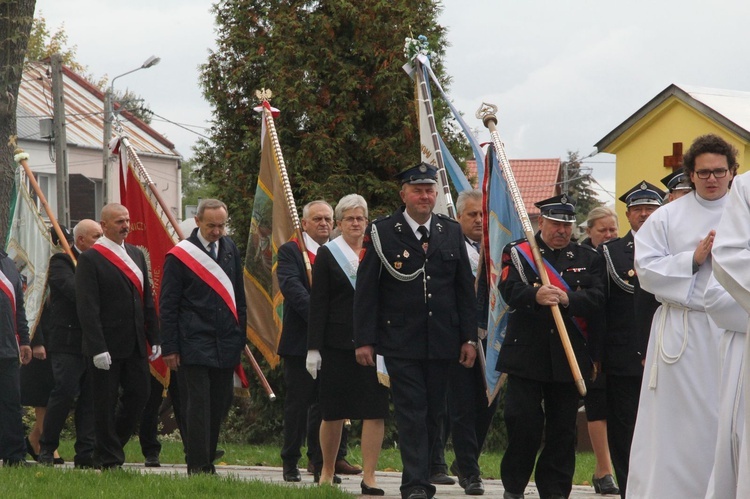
x=564, y=199
x=644, y=186
x=422, y=168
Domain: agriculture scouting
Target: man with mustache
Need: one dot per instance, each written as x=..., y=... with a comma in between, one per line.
x=120, y=331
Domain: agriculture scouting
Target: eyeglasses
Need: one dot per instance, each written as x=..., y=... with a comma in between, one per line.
x=718, y=173
x=350, y=220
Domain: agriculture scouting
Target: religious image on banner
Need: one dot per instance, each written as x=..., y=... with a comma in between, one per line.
x=270, y=227
x=501, y=226
x=29, y=245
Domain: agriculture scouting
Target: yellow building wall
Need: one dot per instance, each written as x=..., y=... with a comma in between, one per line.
x=641, y=149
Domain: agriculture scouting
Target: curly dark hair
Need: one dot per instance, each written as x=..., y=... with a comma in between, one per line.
x=710, y=143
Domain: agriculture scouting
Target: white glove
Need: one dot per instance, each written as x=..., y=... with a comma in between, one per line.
x=313, y=362
x=102, y=361
x=155, y=353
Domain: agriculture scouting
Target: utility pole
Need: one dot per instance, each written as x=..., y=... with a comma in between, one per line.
x=61, y=142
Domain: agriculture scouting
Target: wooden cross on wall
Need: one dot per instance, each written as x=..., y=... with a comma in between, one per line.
x=675, y=160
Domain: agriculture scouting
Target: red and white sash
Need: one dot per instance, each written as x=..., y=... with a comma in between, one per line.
x=7, y=288
x=207, y=271
x=118, y=257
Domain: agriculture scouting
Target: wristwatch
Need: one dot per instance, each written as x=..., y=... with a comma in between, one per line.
x=472, y=343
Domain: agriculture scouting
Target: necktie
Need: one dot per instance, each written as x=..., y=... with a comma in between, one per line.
x=425, y=236
x=475, y=244
x=212, y=250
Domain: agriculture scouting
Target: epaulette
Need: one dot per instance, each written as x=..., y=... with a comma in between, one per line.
x=380, y=219
x=586, y=247
x=445, y=217
x=611, y=241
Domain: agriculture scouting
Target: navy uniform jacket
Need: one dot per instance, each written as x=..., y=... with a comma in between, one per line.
x=532, y=348
x=64, y=333
x=429, y=317
x=195, y=320
x=621, y=352
x=331, y=305
x=10, y=324
x=113, y=316
x=295, y=288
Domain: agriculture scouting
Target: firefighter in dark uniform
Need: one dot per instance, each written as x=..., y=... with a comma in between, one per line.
x=541, y=396
x=415, y=305
x=622, y=349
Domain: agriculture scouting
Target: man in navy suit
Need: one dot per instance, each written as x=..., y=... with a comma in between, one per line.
x=301, y=389
x=69, y=365
x=415, y=305
x=116, y=310
x=203, y=317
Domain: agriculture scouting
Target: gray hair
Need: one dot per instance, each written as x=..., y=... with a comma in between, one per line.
x=598, y=213
x=475, y=194
x=306, y=208
x=210, y=204
x=349, y=202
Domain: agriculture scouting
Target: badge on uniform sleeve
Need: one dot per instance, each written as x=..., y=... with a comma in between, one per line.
x=406, y=254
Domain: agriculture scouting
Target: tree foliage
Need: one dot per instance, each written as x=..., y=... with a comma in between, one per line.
x=43, y=43
x=348, y=121
x=16, y=17
x=578, y=180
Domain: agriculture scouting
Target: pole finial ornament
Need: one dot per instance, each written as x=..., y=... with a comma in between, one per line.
x=487, y=112
x=264, y=94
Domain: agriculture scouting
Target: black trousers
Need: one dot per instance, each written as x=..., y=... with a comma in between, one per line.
x=12, y=446
x=419, y=398
x=207, y=396
x=468, y=417
x=148, y=432
x=526, y=420
x=72, y=385
x=623, y=393
x=120, y=395
x=302, y=416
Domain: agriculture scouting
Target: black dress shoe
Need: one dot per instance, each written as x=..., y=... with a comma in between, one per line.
x=473, y=486
x=46, y=458
x=371, y=491
x=605, y=485
x=83, y=464
x=30, y=450
x=316, y=478
x=417, y=493
x=18, y=463
x=152, y=462
x=292, y=475
x=58, y=460
x=441, y=478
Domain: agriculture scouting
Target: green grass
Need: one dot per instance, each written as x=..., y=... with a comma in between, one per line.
x=78, y=484
x=268, y=455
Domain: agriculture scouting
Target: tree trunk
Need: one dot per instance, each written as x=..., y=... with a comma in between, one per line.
x=16, y=17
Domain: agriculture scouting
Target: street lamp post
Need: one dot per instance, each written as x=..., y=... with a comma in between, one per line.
x=108, y=111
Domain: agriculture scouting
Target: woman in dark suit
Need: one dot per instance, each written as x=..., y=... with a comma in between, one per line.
x=347, y=389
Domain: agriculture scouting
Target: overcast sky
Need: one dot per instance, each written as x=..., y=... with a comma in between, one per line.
x=564, y=73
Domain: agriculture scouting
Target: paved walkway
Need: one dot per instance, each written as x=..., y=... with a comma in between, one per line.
x=389, y=481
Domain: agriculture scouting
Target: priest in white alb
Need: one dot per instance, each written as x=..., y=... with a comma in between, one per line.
x=675, y=431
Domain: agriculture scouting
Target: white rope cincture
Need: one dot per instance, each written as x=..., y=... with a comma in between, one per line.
x=660, y=352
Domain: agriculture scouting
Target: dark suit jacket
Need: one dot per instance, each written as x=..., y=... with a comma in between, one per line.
x=113, y=316
x=63, y=333
x=532, y=348
x=295, y=287
x=331, y=319
x=195, y=320
x=429, y=317
x=620, y=352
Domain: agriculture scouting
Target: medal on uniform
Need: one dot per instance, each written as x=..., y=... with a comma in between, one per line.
x=631, y=273
x=406, y=254
x=397, y=265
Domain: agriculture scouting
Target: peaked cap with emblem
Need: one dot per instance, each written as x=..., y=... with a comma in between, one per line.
x=560, y=208
x=677, y=180
x=422, y=173
x=643, y=193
